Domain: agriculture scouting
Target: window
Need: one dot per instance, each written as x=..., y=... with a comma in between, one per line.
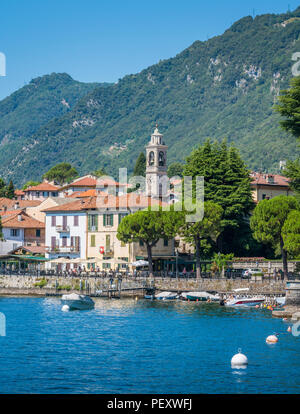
x=263, y=196
x=166, y=242
x=93, y=240
x=108, y=220
x=107, y=242
x=75, y=220
x=141, y=243
x=14, y=232
x=161, y=159
x=38, y=233
x=151, y=158
x=53, y=221
x=93, y=222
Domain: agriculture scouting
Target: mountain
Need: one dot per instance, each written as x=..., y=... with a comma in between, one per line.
x=221, y=88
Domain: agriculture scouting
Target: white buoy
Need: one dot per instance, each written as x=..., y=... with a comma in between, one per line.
x=272, y=339
x=239, y=360
x=65, y=308
x=289, y=329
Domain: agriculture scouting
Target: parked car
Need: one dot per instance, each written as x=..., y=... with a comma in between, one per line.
x=251, y=272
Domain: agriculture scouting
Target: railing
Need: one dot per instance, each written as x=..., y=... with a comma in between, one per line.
x=63, y=249
x=63, y=229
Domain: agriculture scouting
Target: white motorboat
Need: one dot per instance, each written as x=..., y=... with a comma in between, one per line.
x=199, y=296
x=244, y=301
x=78, y=302
x=166, y=296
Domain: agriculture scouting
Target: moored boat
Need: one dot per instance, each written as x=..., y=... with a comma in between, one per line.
x=195, y=296
x=166, y=296
x=245, y=301
x=77, y=302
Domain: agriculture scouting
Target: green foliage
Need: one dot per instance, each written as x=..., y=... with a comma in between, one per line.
x=226, y=182
x=175, y=169
x=226, y=87
x=140, y=166
x=222, y=260
x=203, y=230
x=289, y=107
x=292, y=171
x=7, y=191
x=268, y=220
x=30, y=183
x=99, y=173
x=291, y=233
x=61, y=173
x=148, y=226
x=42, y=283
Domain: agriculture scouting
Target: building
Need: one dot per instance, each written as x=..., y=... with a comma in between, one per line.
x=19, y=229
x=41, y=191
x=157, y=183
x=267, y=186
x=94, y=185
x=66, y=230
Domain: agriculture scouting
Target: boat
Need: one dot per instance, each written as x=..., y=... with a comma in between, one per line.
x=166, y=296
x=78, y=302
x=244, y=301
x=195, y=296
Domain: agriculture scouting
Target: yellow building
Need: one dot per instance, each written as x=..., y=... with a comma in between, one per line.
x=267, y=186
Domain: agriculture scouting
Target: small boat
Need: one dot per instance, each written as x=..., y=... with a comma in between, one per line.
x=78, y=302
x=196, y=296
x=166, y=296
x=245, y=301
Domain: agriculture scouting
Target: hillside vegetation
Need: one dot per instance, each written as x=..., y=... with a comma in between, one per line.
x=221, y=88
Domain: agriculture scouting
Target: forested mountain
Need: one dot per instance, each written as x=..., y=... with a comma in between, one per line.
x=221, y=88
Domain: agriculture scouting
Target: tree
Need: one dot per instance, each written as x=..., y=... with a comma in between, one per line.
x=148, y=227
x=10, y=190
x=227, y=183
x=292, y=170
x=289, y=107
x=2, y=188
x=61, y=173
x=268, y=220
x=30, y=184
x=291, y=233
x=201, y=231
x=175, y=169
x=140, y=166
x=99, y=173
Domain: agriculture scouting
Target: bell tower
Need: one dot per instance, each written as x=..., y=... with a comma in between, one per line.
x=156, y=165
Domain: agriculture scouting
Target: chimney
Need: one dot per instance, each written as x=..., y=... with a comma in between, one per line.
x=19, y=217
x=17, y=205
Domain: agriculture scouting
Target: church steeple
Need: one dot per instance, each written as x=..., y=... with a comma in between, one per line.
x=156, y=164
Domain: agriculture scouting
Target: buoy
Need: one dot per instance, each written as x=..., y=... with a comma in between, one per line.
x=289, y=329
x=65, y=308
x=257, y=306
x=284, y=319
x=272, y=339
x=239, y=360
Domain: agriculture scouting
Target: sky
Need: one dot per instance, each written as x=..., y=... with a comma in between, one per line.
x=104, y=40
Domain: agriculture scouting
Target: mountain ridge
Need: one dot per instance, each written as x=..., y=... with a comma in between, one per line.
x=224, y=87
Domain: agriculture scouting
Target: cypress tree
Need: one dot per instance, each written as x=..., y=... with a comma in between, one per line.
x=140, y=166
x=10, y=190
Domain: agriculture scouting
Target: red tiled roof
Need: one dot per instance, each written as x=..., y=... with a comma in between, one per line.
x=10, y=204
x=19, y=192
x=82, y=182
x=27, y=221
x=43, y=187
x=32, y=249
x=264, y=179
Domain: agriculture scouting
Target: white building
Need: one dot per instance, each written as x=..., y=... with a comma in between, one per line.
x=66, y=228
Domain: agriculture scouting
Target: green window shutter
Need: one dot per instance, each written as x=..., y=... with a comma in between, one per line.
x=111, y=219
x=89, y=222
x=96, y=222
x=120, y=218
x=104, y=220
x=93, y=240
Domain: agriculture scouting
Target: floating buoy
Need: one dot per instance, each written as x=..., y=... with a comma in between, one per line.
x=239, y=360
x=65, y=308
x=257, y=306
x=284, y=319
x=289, y=329
x=272, y=339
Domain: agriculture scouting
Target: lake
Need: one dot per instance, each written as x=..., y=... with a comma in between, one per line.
x=139, y=346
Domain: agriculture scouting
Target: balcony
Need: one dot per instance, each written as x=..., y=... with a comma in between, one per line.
x=63, y=229
x=109, y=251
x=64, y=249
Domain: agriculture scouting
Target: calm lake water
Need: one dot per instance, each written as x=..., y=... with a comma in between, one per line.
x=128, y=346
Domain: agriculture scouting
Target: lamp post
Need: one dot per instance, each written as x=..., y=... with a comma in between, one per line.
x=176, y=251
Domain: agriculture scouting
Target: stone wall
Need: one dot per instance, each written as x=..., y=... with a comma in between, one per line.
x=39, y=286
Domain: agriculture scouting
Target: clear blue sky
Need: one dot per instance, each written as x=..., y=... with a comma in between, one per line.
x=103, y=40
